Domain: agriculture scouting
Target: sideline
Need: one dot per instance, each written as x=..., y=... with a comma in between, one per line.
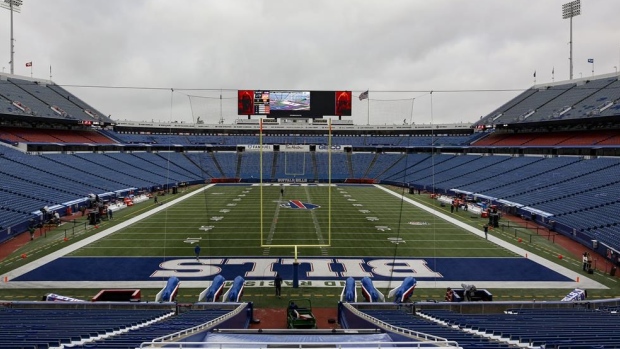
x=585, y=282
x=97, y=236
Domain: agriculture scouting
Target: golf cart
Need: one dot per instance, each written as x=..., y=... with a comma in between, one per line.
x=299, y=314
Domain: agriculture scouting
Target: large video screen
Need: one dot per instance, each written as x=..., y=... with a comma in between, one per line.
x=289, y=100
x=282, y=103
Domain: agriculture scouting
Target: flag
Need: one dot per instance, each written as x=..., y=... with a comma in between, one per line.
x=590, y=60
x=534, y=73
x=29, y=64
x=364, y=95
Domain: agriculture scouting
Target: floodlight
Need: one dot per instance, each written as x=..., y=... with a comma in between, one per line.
x=12, y=6
x=570, y=10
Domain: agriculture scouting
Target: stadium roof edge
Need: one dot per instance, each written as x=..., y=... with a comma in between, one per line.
x=582, y=79
x=4, y=76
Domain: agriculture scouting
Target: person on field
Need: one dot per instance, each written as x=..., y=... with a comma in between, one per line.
x=278, y=284
x=584, y=260
x=449, y=295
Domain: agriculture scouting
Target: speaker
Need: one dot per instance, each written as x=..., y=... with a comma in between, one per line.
x=495, y=220
x=93, y=218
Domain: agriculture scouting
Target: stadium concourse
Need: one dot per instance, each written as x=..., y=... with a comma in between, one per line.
x=549, y=156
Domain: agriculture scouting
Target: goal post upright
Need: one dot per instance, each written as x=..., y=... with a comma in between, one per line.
x=329, y=182
x=260, y=176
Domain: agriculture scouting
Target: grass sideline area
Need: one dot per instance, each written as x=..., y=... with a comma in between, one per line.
x=233, y=213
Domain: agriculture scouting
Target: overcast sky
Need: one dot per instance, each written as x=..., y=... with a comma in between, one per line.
x=414, y=46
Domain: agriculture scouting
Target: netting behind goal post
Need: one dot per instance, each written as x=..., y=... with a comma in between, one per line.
x=393, y=108
x=399, y=111
x=212, y=106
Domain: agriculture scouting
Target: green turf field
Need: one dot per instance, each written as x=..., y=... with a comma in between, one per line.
x=364, y=227
x=363, y=221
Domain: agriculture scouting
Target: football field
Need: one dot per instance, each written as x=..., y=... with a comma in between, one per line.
x=225, y=221
x=330, y=232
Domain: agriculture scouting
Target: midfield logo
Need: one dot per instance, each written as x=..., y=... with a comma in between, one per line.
x=296, y=204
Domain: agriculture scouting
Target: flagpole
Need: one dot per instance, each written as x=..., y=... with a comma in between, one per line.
x=368, y=108
x=50, y=72
x=12, y=47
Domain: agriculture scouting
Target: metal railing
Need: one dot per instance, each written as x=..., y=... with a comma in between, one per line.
x=388, y=327
x=201, y=327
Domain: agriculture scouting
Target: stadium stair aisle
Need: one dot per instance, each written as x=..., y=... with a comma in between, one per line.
x=166, y=326
x=401, y=319
x=55, y=327
x=535, y=327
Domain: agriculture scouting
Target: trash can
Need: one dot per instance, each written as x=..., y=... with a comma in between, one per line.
x=612, y=272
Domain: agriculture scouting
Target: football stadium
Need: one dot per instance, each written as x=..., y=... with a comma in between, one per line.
x=296, y=225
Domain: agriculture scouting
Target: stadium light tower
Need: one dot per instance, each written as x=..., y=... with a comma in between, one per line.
x=570, y=10
x=12, y=6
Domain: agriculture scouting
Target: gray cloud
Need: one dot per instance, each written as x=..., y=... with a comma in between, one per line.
x=394, y=45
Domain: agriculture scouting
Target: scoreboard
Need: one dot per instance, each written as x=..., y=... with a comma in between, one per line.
x=293, y=103
x=261, y=103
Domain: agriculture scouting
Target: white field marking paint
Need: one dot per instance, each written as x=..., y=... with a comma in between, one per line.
x=192, y=241
x=396, y=240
